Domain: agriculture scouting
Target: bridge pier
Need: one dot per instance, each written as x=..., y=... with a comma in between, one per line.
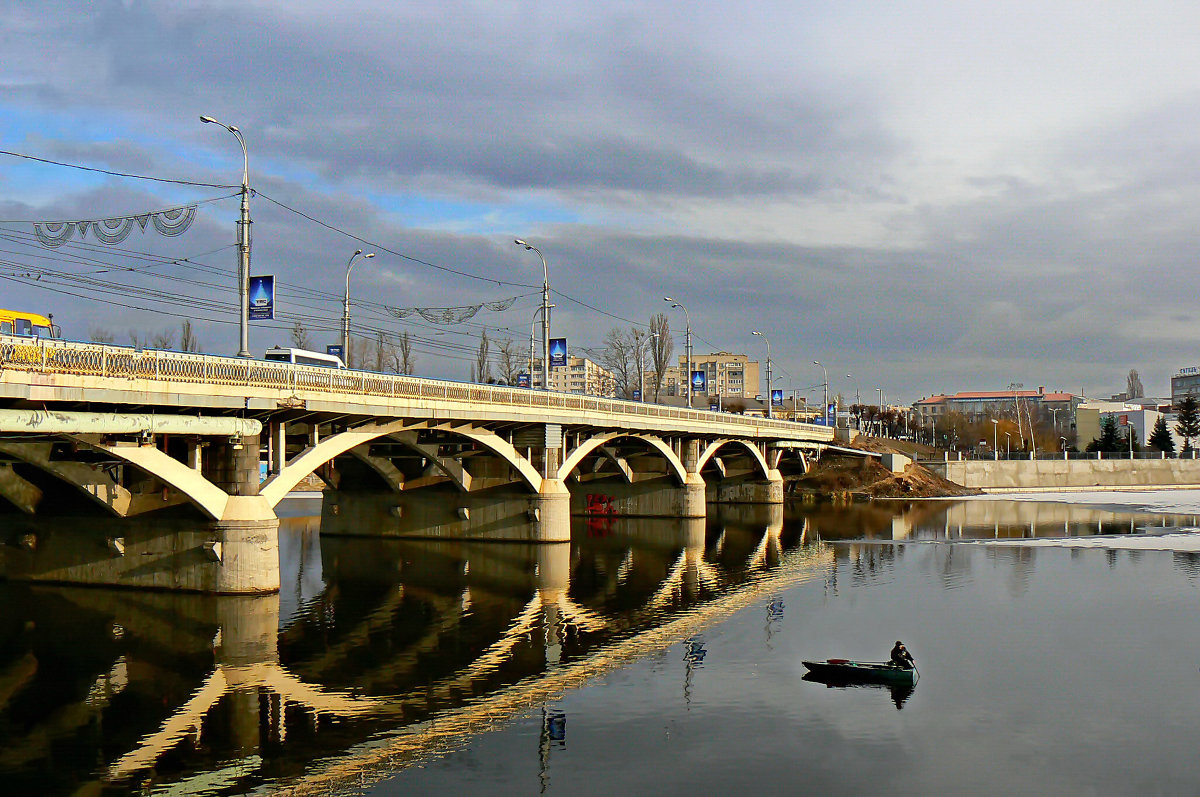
x=755, y=491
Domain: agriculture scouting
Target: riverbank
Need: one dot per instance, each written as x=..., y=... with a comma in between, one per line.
x=847, y=477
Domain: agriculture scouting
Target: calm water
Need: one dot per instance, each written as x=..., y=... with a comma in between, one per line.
x=646, y=657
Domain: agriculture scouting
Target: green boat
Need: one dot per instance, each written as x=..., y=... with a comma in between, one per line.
x=869, y=672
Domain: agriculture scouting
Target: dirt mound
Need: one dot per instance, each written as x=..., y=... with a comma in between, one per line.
x=847, y=476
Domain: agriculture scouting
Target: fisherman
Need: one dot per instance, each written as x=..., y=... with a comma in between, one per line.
x=901, y=657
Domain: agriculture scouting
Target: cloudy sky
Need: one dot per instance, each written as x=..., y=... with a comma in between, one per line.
x=930, y=196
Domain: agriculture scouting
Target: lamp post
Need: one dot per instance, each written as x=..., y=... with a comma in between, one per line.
x=995, y=439
x=880, y=391
x=857, y=402
x=1008, y=445
x=545, y=314
x=346, y=304
x=764, y=337
x=687, y=346
x=243, y=241
x=825, y=406
x=640, y=356
x=1063, y=440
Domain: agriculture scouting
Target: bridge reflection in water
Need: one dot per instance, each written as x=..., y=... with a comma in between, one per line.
x=375, y=653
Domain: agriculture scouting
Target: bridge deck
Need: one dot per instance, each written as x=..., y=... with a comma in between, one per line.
x=64, y=373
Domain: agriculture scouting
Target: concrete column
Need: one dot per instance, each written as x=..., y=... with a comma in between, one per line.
x=694, y=501
x=233, y=466
x=550, y=510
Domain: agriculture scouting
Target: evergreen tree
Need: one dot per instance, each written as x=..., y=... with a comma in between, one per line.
x=1160, y=437
x=1108, y=441
x=1187, y=425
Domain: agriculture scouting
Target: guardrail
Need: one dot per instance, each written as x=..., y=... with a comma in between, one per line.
x=107, y=361
x=963, y=456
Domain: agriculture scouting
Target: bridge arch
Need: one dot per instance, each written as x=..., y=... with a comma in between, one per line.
x=755, y=454
x=276, y=487
x=577, y=456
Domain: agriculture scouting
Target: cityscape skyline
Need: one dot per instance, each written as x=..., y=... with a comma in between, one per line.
x=932, y=198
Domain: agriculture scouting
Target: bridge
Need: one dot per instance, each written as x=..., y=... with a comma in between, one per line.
x=175, y=437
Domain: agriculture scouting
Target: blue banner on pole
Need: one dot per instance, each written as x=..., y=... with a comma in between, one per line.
x=262, y=298
x=522, y=380
x=335, y=349
x=558, y=352
x=637, y=394
x=776, y=398
x=699, y=382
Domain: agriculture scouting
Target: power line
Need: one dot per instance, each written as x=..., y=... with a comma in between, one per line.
x=116, y=174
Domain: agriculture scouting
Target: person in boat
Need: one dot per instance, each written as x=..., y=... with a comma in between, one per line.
x=901, y=657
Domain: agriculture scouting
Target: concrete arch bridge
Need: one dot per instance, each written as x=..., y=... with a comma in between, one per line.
x=143, y=433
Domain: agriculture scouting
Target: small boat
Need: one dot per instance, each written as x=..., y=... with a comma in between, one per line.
x=847, y=671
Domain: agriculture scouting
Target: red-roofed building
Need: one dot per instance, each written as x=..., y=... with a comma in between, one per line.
x=1058, y=408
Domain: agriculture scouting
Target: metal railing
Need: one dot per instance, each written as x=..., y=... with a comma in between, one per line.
x=122, y=362
x=1023, y=456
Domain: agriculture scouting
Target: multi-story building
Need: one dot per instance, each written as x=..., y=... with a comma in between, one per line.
x=1185, y=383
x=1058, y=408
x=726, y=375
x=580, y=375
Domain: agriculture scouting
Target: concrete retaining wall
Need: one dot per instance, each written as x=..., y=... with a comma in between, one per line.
x=1075, y=474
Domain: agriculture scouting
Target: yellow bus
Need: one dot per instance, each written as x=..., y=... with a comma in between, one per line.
x=14, y=322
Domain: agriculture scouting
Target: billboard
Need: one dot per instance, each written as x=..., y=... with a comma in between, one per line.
x=262, y=298
x=637, y=394
x=776, y=398
x=558, y=352
x=523, y=380
x=335, y=349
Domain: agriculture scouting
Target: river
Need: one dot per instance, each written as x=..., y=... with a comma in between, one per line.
x=1057, y=641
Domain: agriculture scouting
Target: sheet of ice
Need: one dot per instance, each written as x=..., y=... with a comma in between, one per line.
x=1179, y=542
x=1172, y=502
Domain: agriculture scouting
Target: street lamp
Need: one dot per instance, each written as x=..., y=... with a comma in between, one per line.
x=825, y=406
x=1063, y=440
x=1008, y=444
x=545, y=314
x=687, y=346
x=995, y=439
x=243, y=241
x=346, y=304
x=764, y=337
x=880, y=391
x=857, y=402
x=640, y=356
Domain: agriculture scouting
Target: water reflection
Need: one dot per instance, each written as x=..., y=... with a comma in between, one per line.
x=981, y=519
x=374, y=653
x=898, y=692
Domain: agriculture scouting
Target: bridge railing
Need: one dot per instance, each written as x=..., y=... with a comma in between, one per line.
x=107, y=361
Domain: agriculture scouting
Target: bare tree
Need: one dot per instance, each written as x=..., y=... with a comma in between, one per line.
x=300, y=336
x=162, y=340
x=481, y=370
x=618, y=357
x=662, y=349
x=101, y=335
x=406, y=360
x=1133, y=385
x=360, y=353
x=385, y=353
x=187, y=337
x=511, y=361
